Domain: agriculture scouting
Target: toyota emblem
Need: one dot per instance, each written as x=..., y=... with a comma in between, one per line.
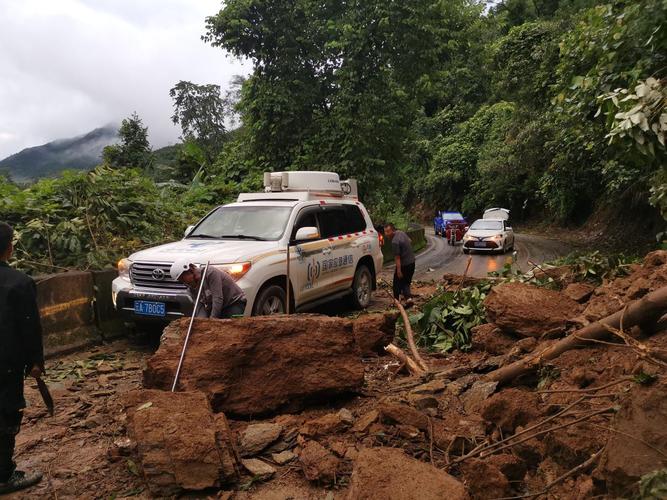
x=158, y=274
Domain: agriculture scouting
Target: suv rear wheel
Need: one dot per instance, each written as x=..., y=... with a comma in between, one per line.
x=362, y=287
x=271, y=300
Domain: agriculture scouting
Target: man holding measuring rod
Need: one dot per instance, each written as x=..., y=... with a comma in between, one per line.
x=220, y=297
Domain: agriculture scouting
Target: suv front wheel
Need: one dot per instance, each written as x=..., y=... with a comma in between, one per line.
x=362, y=287
x=271, y=300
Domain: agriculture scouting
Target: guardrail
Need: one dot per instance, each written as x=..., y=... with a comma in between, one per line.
x=76, y=310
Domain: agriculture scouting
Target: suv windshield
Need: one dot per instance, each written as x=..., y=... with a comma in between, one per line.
x=487, y=225
x=257, y=223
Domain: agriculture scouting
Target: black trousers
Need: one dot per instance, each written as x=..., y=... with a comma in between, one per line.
x=235, y=309
x=402, y=285
x=10, y=424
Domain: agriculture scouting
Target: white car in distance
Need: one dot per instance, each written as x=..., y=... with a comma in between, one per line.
x=492, y=233
x=334, y=251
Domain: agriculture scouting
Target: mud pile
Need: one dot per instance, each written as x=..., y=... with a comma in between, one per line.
x=588, y=423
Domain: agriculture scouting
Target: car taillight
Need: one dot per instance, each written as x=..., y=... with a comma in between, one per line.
x=381, y=239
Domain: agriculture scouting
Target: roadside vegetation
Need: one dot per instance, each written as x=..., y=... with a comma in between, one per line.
x=551, y=108
x=445, y=321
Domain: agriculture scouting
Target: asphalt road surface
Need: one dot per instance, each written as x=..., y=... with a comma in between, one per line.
x=439, y=257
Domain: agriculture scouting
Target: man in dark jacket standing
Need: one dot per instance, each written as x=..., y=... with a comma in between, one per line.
x=21, y=354
x=404, y=259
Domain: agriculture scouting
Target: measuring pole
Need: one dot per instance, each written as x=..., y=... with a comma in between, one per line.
x=287, y=288
x=187, y=335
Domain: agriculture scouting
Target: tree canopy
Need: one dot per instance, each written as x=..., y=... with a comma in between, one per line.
x=134, y=149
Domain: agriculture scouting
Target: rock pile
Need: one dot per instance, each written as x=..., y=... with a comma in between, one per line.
x=588, y=423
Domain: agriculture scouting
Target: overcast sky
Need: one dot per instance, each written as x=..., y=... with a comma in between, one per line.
x=69, y=66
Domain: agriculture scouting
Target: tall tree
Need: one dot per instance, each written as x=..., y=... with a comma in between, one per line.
x=134, y=149
x=200, y=111
x=337, y=85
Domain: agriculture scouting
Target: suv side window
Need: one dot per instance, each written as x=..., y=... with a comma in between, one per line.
x=354, y=219
x=332, y=222
x=306, y=218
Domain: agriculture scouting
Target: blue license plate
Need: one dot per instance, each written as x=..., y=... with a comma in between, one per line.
x=147, y=308
x=480, y=244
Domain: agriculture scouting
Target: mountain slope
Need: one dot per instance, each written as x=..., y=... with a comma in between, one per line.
x=79, y=153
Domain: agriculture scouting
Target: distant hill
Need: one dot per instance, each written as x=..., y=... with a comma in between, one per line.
x=77, y=153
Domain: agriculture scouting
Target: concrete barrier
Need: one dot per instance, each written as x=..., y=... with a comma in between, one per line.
x=75, y=309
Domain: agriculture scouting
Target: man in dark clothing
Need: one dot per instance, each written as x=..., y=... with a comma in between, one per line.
x=404, y=258
x=221, y=297
x=20, y=354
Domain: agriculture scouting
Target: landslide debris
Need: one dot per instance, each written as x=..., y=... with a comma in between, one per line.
x=316, y=415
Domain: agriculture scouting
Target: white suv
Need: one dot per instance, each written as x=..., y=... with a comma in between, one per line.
x=334, y=251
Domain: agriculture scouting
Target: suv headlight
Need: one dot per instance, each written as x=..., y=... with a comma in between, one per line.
x=124, y=266
x=497, y=237
x=237, y=270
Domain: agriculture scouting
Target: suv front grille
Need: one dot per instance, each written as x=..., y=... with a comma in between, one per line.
x=154, y=275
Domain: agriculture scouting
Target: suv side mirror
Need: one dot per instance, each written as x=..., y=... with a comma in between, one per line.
x=188, y=230
x=307, y=233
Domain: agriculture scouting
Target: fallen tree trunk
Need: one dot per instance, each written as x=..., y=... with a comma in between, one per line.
x=646, y=310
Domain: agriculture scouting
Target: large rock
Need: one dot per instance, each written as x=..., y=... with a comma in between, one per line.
x=389, y=473
x=256, y=437
x=511, y=408
x=332, y=423
x=373, y=332
x=179, y=445
x=251, y=366
x=258, y=469
x=528, y=310
x=484, y=480
x=579, y=292
x=317, y=463
x=639, y=423
x=488, y=337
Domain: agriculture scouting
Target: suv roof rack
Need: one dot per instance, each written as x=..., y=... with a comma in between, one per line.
x=303, y=186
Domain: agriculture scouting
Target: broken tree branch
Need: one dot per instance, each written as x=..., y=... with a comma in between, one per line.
x=587, y=390
x=646, y=310
x=397, y=352
x=411, y=337
x=655, y=356
x=465, y=274
x=489, y=447
x=550, y=429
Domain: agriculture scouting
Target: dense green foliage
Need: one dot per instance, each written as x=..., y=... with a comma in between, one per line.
x=200, y=111
x=83, y=220
x=133, y=149
x=543, y=106
x=444, y=323
x=90, y=220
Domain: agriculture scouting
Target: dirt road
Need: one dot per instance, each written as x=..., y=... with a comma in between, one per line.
x=440, y=258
